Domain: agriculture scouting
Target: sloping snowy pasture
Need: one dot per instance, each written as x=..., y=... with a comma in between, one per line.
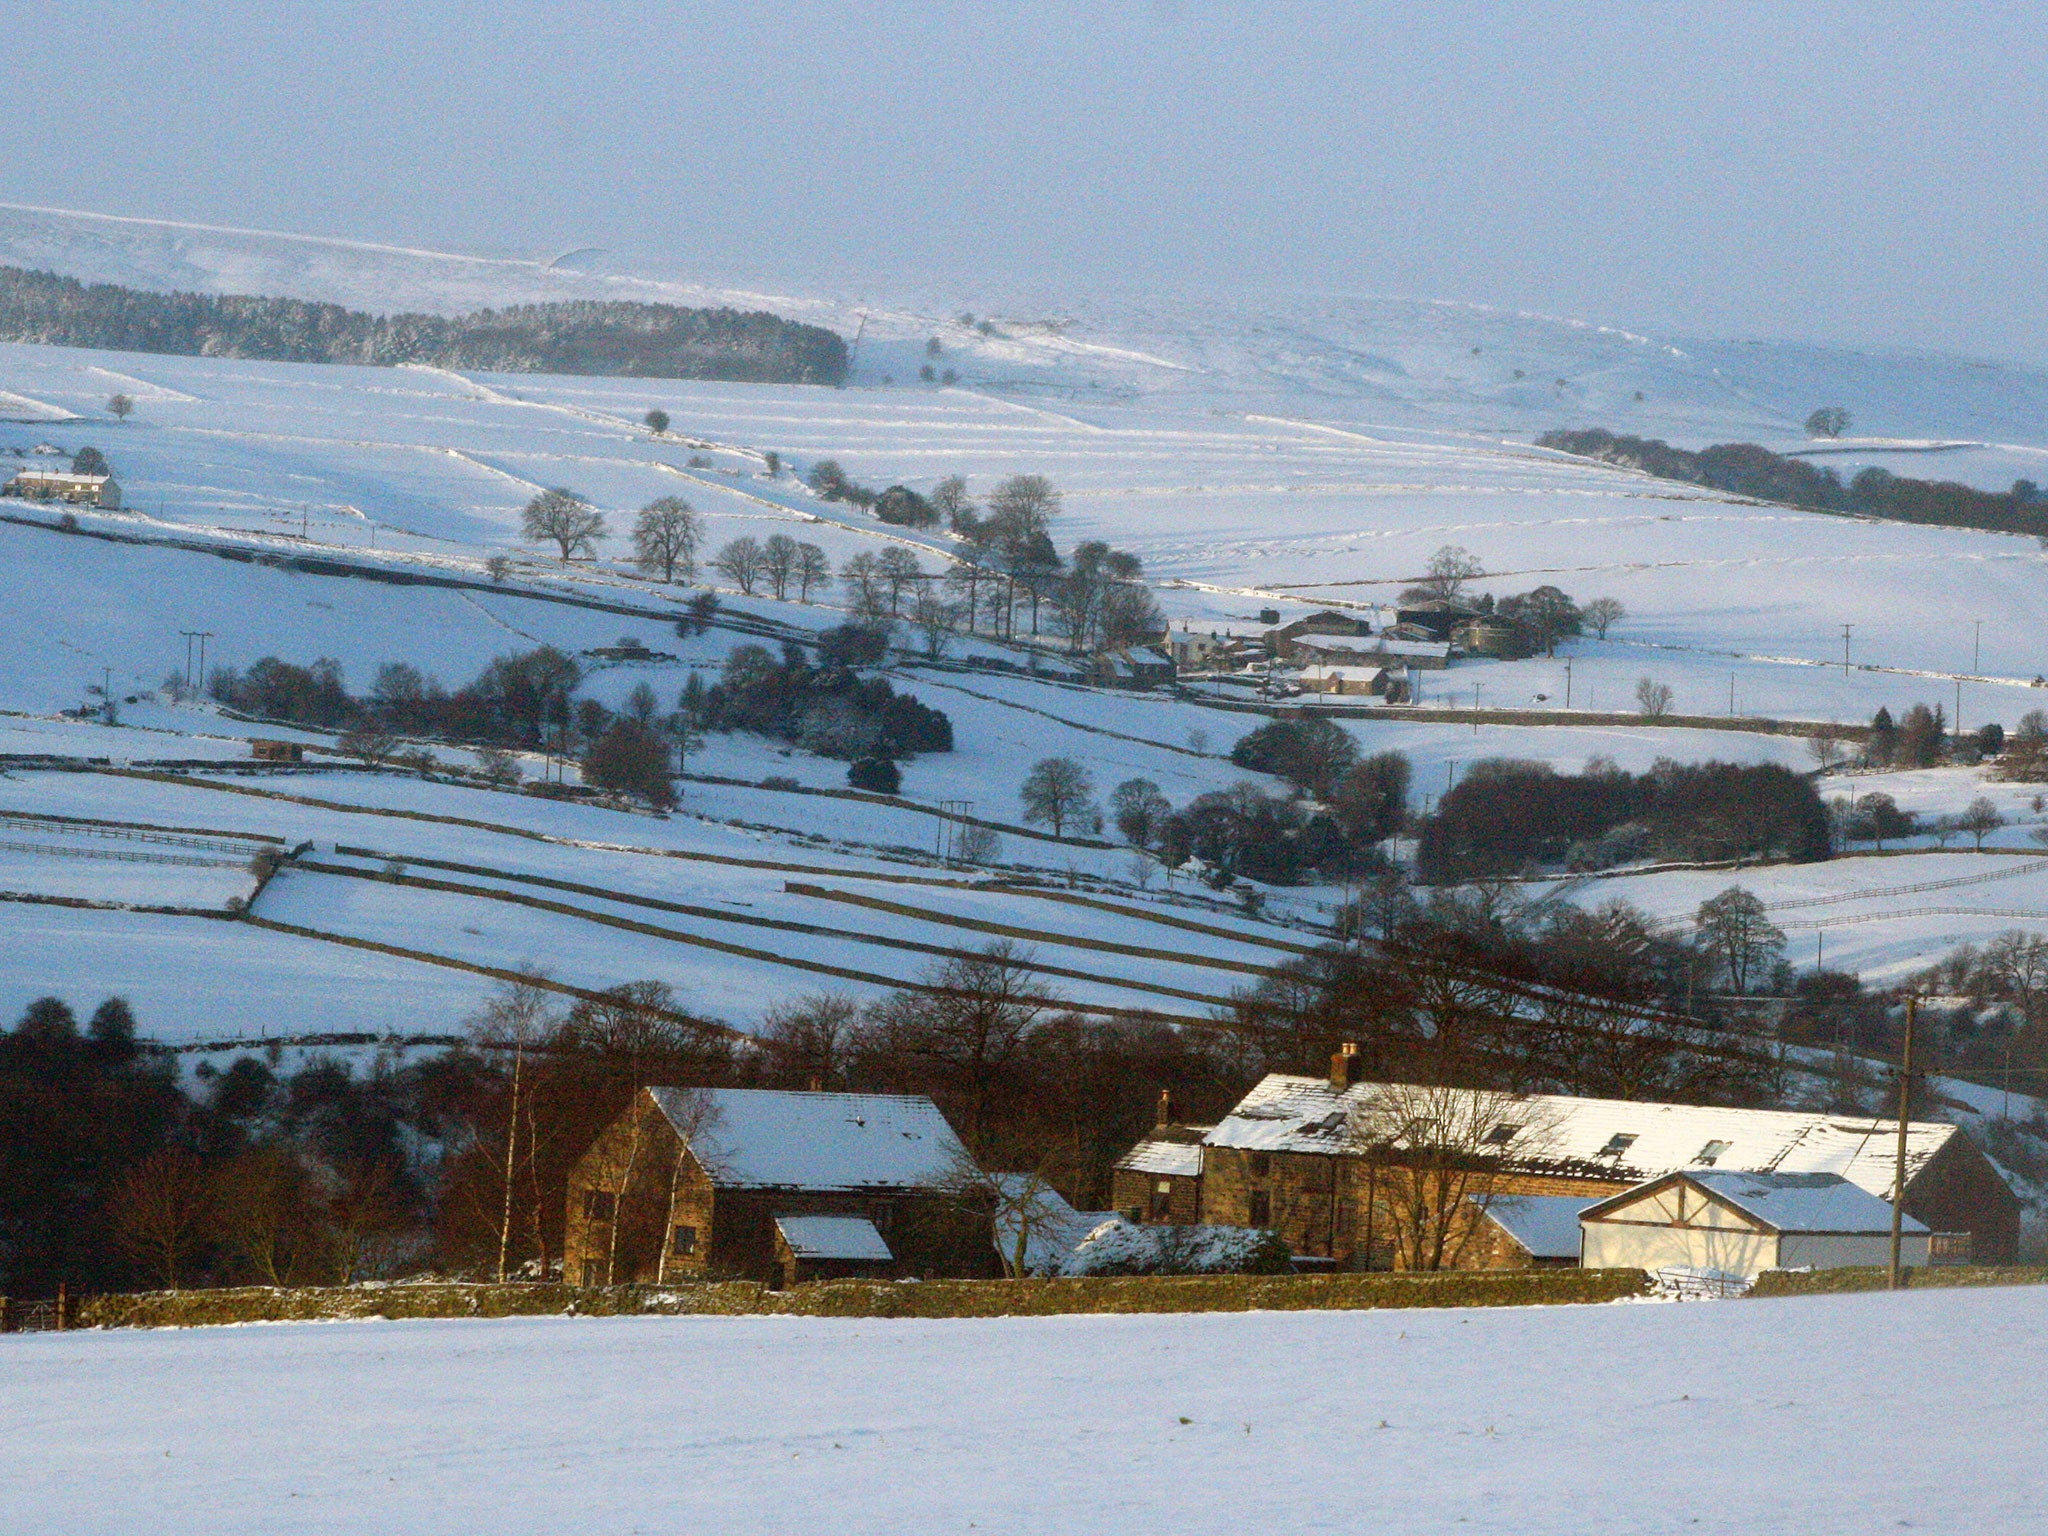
x=1842, y=1415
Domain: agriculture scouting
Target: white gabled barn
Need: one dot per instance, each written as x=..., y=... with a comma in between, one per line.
x=1740, y=1224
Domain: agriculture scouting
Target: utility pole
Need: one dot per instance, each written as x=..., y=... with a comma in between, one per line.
x=1567, y=682
x=107, y=694
x=1731, y=695
x=1892, y=1276
x=1977, y=650
x=1845, y=649
x=1959, y=708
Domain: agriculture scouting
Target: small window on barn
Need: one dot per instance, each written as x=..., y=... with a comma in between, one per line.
x=1710, y=1154
x=686, y=1240
x=1501, y=1134
x=1262, y=1208
x=1617, y=1144
x=598, y=1205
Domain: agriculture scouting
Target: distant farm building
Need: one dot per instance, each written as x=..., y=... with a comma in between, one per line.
x=1294, y=1156
x=1368, y=650
x=101, y=491
x=1736, y=1225
x=264, y=750
x=1160, y=1179
x=768, y=1185
x=1134, y=666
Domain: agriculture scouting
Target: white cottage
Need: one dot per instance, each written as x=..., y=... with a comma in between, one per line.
x=1740, y=1224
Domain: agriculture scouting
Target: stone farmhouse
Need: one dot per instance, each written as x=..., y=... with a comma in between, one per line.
x=101, y=491
x=768, y=1185
x=1307, y=1158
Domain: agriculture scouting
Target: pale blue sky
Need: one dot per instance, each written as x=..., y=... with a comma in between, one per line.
x=1869, y=173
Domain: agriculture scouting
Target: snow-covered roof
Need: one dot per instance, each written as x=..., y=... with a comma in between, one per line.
x=1547, y=1226
x=1369, y=645
x=760, y=1138
x=61, y=477
x=1611, y=1138
x=833, y=1237
x=1056, y=1228
x=1797, y=1202
x=1164, y=1157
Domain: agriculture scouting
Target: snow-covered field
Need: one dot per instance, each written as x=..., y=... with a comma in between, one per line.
x=1806, y=1417
x=1287, y=454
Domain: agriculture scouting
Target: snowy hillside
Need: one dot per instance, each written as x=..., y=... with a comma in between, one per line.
x=1308, y=453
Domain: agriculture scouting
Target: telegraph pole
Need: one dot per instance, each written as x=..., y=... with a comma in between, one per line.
x=1845, y=649
x=1567, y=682
x=1977, y=650
x=1892, y=1275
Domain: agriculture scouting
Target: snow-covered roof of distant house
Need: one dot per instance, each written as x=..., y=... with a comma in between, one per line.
x=1163, y=1157
x=1787, y=1202
x=61, y=477
x=1610, y=1138
x=1546, y=1226
x=1369, y=645
x=833, y=1237
x=760, y=1138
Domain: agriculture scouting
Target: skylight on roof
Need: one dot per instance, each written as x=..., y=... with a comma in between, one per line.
x=1710, y=1154
x=1617, y=1144
x=1501, y=1134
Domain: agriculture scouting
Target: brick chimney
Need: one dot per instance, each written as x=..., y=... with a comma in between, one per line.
x=1165, y=1117
x=1346, y=1068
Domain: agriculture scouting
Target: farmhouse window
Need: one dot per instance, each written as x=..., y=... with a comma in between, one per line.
x=598, y=1205
x=1262, y=1208
x=1162, y=1199
x=686, y=1240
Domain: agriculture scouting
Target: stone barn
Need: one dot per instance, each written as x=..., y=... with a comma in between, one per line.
x=760, y=1184
x=1301, y=1157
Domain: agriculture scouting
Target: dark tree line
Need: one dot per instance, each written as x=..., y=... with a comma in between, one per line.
x=581, y=336
x=1507, y=817
x=826, y=706
x=1746, y=469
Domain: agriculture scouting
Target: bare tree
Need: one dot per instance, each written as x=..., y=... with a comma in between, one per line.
x=369, y=742
x=265, y=1205
x=1435, y=1157
x=566, y=518
x=779, y=558
x=866, y=589
x=517, y=1017
x=2019, y=961
x=1733, y=928
x=1449, y=569
x=813, y=571
x=968, y=1031
x=1057, y=790
x=1601, y=615
x=898, y=570
x=743, y=563
x=120, y=407
x=1824, y=746
x=1828, y=421
x=811, y=1036
x=1980, y=818
x=950, y=500
x=934, y=618
x=665, y=538
x=163, y=1207
x=1653, y=698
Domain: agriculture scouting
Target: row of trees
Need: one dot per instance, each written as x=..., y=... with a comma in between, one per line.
x=1746, y=469
x=458, y=1160
x=581, y=336
x=1507, y=816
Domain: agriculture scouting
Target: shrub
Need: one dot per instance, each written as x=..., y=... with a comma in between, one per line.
x=875, y=774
